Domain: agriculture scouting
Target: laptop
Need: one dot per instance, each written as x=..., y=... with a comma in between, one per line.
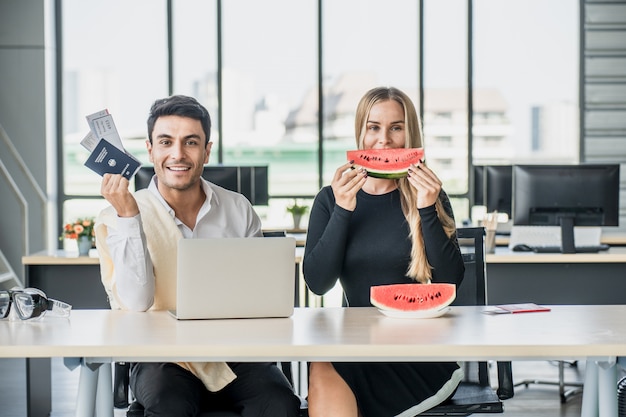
x=228, y=278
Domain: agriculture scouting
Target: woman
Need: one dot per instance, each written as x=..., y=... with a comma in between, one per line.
x=367, y=231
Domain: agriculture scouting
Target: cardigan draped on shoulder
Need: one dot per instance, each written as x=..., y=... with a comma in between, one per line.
x=162, y=236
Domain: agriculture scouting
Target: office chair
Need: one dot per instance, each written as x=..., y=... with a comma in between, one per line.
x=577, y=387
x=475, y=394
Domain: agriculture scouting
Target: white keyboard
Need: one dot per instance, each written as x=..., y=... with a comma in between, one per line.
x=539, y=236
x=535, y=236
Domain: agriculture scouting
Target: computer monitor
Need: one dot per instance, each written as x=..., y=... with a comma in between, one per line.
x=479, y=185
x=498, y=188
x=251, y=181
x=566, y=196
x=493, y=185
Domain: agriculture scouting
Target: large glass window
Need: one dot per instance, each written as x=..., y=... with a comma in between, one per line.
x=445, y=96
x=366, y=44
x=524, y=96
x=268, y=115
x=115, y=58
x=269, y=72
x=525, y=75
x=194, y=27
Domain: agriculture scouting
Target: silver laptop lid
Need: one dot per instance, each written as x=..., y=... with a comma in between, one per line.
x=235, y=278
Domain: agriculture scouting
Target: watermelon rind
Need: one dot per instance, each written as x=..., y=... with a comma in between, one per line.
x=411, y=291
x=386, y=175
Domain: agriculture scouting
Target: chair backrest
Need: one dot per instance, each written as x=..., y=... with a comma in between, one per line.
x=473, y=289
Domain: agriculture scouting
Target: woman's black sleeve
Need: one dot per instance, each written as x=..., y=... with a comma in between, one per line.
x=325, y=243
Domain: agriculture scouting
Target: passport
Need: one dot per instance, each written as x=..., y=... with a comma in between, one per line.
x=106, y=158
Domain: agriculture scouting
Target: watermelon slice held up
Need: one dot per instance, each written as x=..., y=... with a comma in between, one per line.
x=386, y=163
x=412, y=297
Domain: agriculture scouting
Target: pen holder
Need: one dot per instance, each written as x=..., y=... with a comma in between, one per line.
x=490, y=222
x=490, y=241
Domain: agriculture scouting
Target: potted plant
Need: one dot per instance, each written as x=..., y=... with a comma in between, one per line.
x=297, y=211
x=83, y=231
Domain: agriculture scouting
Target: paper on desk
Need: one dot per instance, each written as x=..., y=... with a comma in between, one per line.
x=515, y=308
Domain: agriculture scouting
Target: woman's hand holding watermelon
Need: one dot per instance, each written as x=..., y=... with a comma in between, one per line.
x=346, y=183
x=427, y=184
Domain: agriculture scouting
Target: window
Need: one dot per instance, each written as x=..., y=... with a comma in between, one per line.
x=526, y=79
x=102, y=69
x=445, y=96
x=524, y=83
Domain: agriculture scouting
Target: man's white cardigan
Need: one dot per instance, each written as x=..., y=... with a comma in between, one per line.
x=162, y=237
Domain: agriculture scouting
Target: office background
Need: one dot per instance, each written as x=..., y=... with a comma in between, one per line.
x=343, y=48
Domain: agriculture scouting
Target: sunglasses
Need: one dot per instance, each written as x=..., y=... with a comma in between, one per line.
x=31, y=303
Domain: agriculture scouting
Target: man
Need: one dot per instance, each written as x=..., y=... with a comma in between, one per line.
x=137, y=242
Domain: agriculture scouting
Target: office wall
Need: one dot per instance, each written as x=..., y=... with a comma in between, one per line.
x=23, y=118
x=603, y=81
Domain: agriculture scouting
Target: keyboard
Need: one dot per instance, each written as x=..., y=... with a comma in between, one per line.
x=548, y=238
x=579, y=249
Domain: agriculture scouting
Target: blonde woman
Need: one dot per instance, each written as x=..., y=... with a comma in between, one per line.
x=368, y=231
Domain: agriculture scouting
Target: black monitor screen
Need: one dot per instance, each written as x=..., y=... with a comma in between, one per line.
x=479, y=185
x=143, y=177
x=251, y=181
x=493, y=187
x=566, y=195
x=498, y=188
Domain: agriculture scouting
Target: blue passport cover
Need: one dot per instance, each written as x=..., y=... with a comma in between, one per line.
x=108, y=159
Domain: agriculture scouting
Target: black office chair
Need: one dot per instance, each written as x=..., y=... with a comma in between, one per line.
x=475, y=394
x=576, y=387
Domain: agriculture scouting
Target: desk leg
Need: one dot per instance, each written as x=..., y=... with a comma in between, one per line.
x=104, y=393
x=38, y=387
x=87, y=386
x=607, y=389
x=589, y=406
x=600, y=389
x=95, y=390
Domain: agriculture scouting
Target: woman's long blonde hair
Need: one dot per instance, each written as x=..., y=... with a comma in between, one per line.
x=419, y=269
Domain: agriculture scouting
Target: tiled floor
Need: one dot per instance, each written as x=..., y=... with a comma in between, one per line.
x=534, y=401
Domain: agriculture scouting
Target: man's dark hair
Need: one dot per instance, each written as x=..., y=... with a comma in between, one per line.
x=183, y=106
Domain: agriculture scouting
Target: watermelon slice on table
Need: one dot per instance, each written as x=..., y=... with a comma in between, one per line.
x=412, y=297
x=386, y=163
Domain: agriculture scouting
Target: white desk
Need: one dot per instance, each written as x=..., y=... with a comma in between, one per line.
x=597, y=333
x=609, y=238
x=556, y=278
x=616, y=254
x=76, y=280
